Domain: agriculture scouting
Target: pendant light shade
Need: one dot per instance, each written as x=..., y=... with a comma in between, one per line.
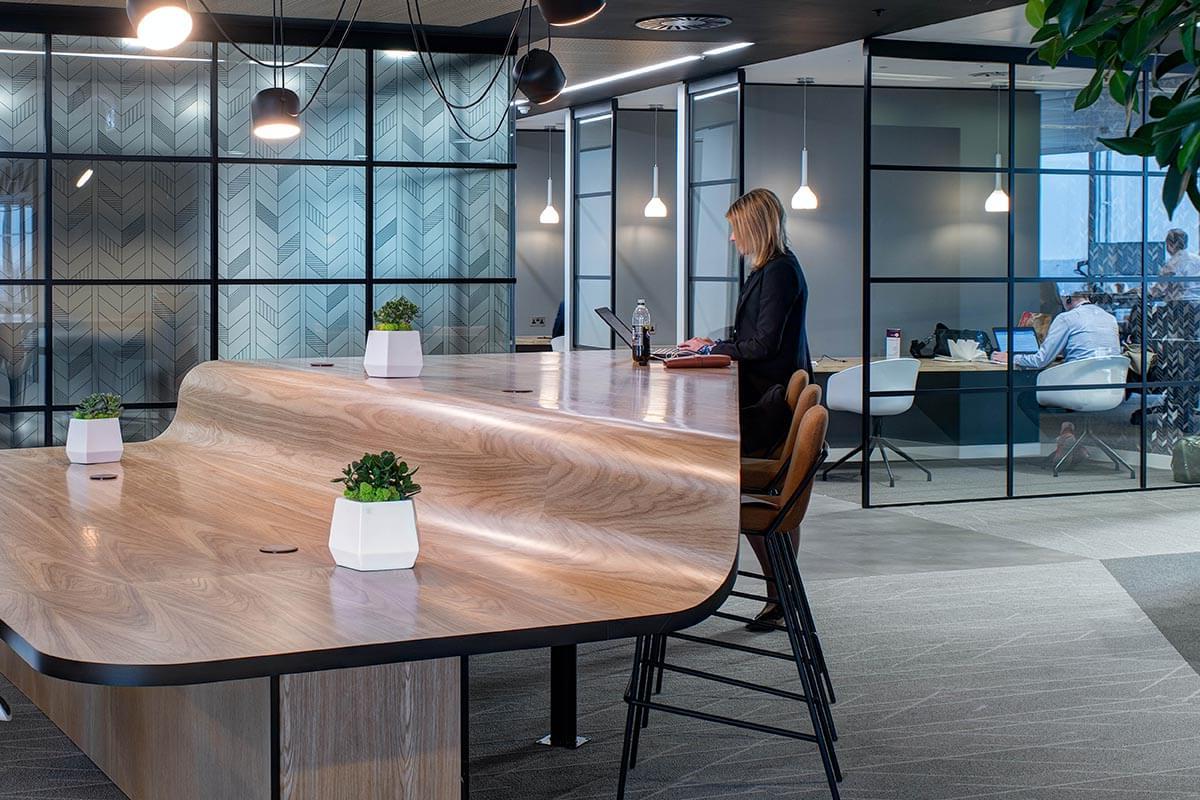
x=656, y=208
x=997, y=201
x=549, y=213
x=805, y=199
x=570, y=12
x=160, y=24
x=539, y=76
x=275, y=114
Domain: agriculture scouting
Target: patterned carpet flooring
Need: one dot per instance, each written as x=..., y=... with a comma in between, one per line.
x=1031, y=651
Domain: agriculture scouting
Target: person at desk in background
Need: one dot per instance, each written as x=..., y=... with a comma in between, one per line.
x=1082, y=330
x=769, y=340
x=1181, y=263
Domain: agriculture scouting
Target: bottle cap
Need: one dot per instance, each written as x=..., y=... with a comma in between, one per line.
x=641, y=302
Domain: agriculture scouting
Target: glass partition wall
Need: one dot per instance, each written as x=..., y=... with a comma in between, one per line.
x=595, y=213
x=989, y=206
x=143, y=229
x=714, y=270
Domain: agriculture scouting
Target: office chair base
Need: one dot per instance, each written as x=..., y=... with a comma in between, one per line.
x=1118, y=462
x=877, y=442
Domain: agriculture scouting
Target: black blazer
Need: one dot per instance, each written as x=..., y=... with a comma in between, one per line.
x=769, y=340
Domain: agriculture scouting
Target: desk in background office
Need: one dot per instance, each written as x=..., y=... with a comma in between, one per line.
x=532, y=344
x=977, y=418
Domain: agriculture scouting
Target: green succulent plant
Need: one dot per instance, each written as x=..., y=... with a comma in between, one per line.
x=99, y=406
x=378, y=478
x=396, y=315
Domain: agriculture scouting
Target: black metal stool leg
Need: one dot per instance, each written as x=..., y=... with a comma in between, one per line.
x=644, y=685
x=5, y=711
x=832, y=772
x=809, y=620
x=840, y=462
x=630, y=716
x=662, y=656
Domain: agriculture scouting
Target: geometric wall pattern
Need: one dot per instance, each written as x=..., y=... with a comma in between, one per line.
x=136, y=187
x=132, y=220
x=439, y=223
x=411, y=122
x=289, y=221
x=21, y=97
x=148, y=105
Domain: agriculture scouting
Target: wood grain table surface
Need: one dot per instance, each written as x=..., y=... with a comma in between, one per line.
x=566, y=497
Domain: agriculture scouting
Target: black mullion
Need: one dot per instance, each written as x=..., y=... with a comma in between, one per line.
x=741, y=167
x=369, y=193
x=612, y=229
x=865, y=417
x=1048, y=495
x=1009, y=397
x=1143, y=438
x=47, y=249
x=214, y=208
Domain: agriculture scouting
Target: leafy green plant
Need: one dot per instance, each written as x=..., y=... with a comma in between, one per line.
x=99, y=406
x=378, y=478
x=396, y=315
x=1126, y=38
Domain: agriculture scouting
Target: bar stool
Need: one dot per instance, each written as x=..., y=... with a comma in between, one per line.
x=771, y=518
x=762, y=475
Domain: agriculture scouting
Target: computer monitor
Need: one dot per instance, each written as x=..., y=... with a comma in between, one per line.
x=1024, y=340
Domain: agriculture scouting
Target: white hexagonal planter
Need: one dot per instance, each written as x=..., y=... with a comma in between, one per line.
x=94, y=441
x=374, y=536
x=393, y=354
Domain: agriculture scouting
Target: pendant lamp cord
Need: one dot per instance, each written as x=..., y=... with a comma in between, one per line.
x=804, y=134
x=656, y=136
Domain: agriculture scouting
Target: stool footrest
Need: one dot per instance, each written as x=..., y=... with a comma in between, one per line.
x=741, y=648
x=737, y=723
x=728, y=681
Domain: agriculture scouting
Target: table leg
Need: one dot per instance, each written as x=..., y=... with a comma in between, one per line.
x=563, y=699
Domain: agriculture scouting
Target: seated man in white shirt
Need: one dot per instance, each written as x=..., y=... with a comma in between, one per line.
x=1181, y=263
x=1083, y=330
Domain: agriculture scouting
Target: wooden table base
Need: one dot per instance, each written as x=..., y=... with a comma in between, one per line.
x=388, y=732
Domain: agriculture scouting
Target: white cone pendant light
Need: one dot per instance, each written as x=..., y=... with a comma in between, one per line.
x=275, y=114
x=997, y=201
x=805, y=199
x=656, y=208
x=549, y=213
x=160, y=24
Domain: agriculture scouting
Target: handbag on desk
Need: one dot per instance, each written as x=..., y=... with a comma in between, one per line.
x=942, y=336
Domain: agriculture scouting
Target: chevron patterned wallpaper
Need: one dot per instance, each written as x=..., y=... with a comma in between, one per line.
x=335, y=123
x=440, y=223
x=21, y=95
x=289, y=221
x=131, y=219
x=412, y=124
x=121, y=106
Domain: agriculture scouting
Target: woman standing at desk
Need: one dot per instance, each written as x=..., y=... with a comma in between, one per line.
x=769, y=341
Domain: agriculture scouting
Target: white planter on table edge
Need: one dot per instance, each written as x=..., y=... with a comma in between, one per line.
x=393, y=354
x=374, y=536
x=94, y=441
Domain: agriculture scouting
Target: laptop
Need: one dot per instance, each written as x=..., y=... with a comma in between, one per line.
x=625, y=334
x=1024, y=340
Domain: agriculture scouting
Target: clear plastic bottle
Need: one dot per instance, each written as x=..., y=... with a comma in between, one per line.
x=641, y=333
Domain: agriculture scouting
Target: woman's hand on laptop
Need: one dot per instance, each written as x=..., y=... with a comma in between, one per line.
x=1000, y=357
x=695, y=343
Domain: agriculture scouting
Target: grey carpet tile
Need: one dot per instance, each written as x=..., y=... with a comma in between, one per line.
x=1167, y=588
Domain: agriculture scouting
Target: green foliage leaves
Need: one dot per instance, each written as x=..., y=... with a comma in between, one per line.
x=378, y=478
x=396, y=315
x=99, y=406
x=1125, y=39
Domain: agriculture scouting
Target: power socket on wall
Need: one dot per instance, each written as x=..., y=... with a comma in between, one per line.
x=537, y=322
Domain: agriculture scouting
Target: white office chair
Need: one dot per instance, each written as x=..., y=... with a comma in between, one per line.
x=1098, y=371
x=558, y=344
x=844, y=393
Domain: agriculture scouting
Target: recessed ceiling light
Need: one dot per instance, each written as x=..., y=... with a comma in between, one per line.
x=684, y=22
x=84, y=177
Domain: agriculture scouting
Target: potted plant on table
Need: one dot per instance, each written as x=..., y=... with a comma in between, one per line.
x=374, y=523
x=94, y=432
x=393, y=347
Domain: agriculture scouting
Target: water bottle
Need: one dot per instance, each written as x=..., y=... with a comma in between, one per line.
x=641, y=334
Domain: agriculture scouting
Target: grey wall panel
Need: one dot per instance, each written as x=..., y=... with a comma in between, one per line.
x=646, y=247
x=539, y=250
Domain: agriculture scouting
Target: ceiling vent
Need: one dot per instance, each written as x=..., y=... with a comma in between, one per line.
x=684, y=22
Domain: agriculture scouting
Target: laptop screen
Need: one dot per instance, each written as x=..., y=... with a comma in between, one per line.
x=1024, y=340
x=617, y=324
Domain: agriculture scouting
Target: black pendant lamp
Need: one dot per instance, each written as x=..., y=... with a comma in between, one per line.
x=539, y=76
x=570, y=12
x=275, y=114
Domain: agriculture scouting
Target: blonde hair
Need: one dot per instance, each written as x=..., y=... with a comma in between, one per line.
x=758, y=220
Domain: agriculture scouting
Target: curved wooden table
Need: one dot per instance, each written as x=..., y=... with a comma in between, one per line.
x=566, y=498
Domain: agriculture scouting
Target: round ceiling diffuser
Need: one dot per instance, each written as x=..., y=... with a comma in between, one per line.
x=684, y=22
